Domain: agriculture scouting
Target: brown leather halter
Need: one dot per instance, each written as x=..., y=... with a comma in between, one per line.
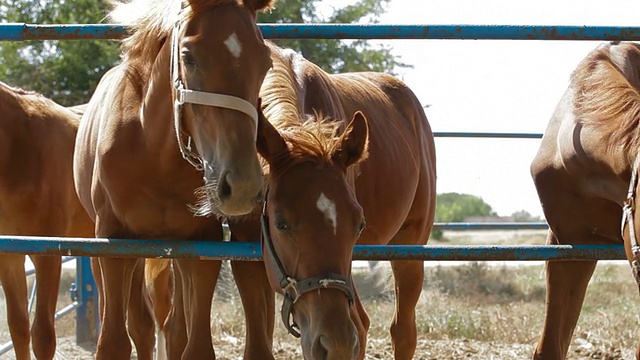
x=627, y=218
x=293, y=289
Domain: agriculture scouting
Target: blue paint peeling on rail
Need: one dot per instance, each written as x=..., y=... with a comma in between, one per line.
x=252, y=251
x=22, y=31
x=492, y=135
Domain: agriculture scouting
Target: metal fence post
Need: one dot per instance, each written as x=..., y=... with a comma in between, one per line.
x=87, y=320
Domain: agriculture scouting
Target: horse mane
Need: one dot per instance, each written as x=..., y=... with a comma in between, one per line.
x=606, y=93
x=309, y=137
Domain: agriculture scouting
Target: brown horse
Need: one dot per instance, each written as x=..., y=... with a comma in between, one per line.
x=327, y=175
x=582, y=173
x=37, y=198
x=186, y=89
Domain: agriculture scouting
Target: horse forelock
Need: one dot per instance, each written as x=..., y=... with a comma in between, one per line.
x=607, y=96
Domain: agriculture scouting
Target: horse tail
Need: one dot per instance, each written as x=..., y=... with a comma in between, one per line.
x=159, y=283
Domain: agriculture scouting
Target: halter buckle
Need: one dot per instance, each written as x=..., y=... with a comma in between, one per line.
x=325, y=283
x=291, y=289
x=630, y=203
x=180, y=94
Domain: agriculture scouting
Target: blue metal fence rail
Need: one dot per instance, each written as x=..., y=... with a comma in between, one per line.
x=22, y=31
x=252, y=251
x=86, y=303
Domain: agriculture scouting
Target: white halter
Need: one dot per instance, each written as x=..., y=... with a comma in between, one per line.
x=201, y=98
x=627, y=219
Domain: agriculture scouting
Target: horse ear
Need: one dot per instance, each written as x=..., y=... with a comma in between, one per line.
x=269, y=143
x=353, y=143
x=257, y=5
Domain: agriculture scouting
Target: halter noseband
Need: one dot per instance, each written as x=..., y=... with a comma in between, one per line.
x=627, y=218
x=293, y=289
x=184, y=96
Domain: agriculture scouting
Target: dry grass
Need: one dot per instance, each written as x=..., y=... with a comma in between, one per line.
x=471, y=311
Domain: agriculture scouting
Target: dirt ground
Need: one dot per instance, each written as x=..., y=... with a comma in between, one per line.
x=427, y=350
x=457, y=349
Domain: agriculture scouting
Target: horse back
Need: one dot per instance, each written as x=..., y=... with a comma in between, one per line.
x=37, y=196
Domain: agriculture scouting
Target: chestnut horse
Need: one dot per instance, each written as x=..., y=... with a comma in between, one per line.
x=583, y=170
x=37, y=198
x=348, y=148
x=186, y=89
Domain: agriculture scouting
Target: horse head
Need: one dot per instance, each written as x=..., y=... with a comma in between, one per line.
x=219, y=60
x=311, y=221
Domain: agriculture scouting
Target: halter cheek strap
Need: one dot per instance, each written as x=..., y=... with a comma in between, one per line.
x=627, y=219
x=186, y=96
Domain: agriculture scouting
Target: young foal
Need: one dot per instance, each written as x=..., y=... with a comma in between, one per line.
x=190, y=75
x=37, y=198
x=320, y=191
x=582, y=173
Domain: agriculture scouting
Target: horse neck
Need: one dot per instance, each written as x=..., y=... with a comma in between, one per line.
x=156, y=113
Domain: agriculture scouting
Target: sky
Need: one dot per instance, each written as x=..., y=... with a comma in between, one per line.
x=494, y=86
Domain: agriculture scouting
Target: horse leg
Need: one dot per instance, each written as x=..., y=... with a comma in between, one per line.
x=258, y=301
x=140, y=320
x=113, y=342
x=97, y=276
x=43, y=332
x=566, y=287
x=14, y=283
x=199, y=279
x=174, y=327
x=361, y=320
x=159, y=283
x=408, y=275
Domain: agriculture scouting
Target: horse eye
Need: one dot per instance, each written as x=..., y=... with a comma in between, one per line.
x=361, y=227
x=188, y=60
x=282, y=225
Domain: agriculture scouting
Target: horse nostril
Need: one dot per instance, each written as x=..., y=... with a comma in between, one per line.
x=224, y=188
x=321, y=348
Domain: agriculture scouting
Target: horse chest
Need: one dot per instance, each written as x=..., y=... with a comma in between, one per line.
x=159, y=218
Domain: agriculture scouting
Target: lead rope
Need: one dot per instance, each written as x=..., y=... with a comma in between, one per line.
x=627, y=218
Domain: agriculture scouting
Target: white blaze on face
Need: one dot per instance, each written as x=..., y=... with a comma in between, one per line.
x=234, y=46
x=328, y=208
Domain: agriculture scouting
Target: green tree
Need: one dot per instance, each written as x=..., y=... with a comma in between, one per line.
x=335, y=55
x=524, y=216
x=455, y=207
x=65, y=71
